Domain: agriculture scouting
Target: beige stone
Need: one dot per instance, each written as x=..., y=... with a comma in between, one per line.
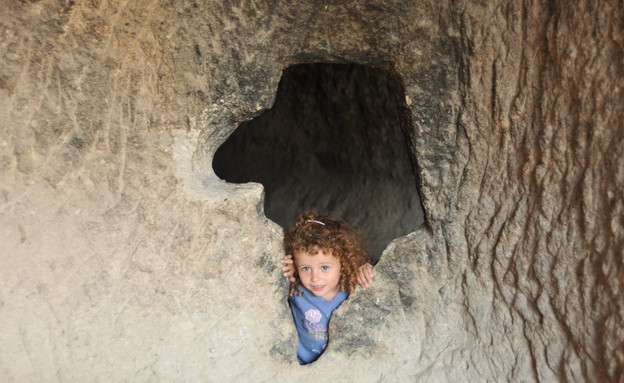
x=123, y=257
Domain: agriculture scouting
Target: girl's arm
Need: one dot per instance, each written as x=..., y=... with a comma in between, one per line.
x=365, y=275
x=289, y=267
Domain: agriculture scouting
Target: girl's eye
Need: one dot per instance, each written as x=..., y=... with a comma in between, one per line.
x=305, y=268
x=324, y=268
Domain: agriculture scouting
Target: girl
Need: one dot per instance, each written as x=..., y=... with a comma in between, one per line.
x=324, y=262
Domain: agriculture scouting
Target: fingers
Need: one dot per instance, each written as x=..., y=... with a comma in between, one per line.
x=365, y=275
x=289, y=268
x=288, y=271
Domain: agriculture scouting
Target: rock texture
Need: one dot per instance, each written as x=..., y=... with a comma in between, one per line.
x=125, y=258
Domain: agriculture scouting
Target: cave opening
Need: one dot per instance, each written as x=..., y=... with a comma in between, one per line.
x=333, y=141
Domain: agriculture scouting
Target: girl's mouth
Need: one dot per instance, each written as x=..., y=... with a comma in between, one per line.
x=317, y=288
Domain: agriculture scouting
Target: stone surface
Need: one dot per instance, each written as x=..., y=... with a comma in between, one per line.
x=124, y=258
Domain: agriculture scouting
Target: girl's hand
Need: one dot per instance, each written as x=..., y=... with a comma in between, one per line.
x=289, y=268
x=365, y=275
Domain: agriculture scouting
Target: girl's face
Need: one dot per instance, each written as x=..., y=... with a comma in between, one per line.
x=319, y=273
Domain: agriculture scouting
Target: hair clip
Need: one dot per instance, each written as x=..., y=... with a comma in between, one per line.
x=315, y=221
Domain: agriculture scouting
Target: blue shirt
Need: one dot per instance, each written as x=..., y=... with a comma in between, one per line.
x=311, y=315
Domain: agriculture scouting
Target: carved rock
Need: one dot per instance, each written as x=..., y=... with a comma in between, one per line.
x=124, y=257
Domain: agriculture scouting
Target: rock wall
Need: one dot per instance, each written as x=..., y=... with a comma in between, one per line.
x=124, y=257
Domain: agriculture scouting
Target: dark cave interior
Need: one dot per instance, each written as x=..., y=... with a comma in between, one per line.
x=331, y=142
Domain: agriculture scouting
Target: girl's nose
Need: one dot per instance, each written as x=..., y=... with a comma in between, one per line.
x=314, y=275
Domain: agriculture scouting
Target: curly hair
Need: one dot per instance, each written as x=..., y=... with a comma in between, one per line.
x=312, y=232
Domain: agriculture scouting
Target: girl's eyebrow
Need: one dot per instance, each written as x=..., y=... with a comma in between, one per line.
x=323, y=264
x=318, y=264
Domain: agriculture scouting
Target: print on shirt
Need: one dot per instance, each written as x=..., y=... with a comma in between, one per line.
x=312, y=320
